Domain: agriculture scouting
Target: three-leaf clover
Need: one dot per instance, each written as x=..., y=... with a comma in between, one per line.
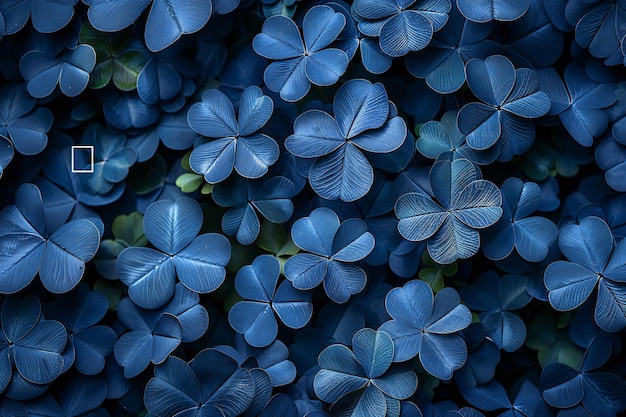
x=494, y=298
x=32, y=242
x=172, y=227
x=211, y=384
x=269, y=197
x=510, y=98
x=235, y=143
x=167, y=21
x=333, y=248
x=449, y=224
x=30, y=345
x=264, y=299
x=70, y=70
x=531, y=236
x=427, y=326
x=24, y=128
x=594, y=261
x=362, y=122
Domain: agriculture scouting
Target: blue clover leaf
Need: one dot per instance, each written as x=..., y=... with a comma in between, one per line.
x=270, y=197
x=29, y=345
x=30, y=243
x=70, y=71
x=80, y=310
x=442, y=139
x=487, y=10
x=492, y=396
x=427, y=326
x=531, y=236
x=602, y=393
x=449, y=225
x=24, y=126
x=272, y=359
x=363, y=380
x=198, y=261
x=166, y=23
x=483, y=355
x=401, y=26
x=442, y=62
x=211, y=384
x=47, y=16
x=235, y=142
x=264, y=300
x=599, y=31
x=91, y=390
x=506, y=329
x=594, y=261
x=510, y=98
x=610, y=156
x=534, y=39
x=112, y=159
x=333, y=248
x=154, y=334
x=301, y=60
x=152, y=337
x=579, y=102
x=361, y=123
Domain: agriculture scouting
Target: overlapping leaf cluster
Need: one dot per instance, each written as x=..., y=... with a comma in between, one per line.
x=368, y=208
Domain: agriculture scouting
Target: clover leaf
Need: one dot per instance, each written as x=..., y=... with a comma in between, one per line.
x=270, y=197
x=363, y=380
x=116, y=59
x=443, y=140
x=198, y=261
x=362, y=122
x=211, y=384
x=264, y=299
x=510, y=98
x=24, y=127
x=301, y=60
x=70, y=70
x=401, y=26
x=112, y=159
x=427, y=326
x=506, y=329
x=80, y=310
x=601, y=393
x=32, y=243
x=487, y=10
x=531, y=236
x=235, y=142
x=449, y=225
x=333, y=248
x=442, y=62
x=578, y=102
x=594, y=261
x=31, y=347
x=167, y=21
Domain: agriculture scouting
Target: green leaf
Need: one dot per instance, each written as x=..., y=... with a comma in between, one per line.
x=433, y=273
x=130, y=229
x=113, y=62
x=189, y=182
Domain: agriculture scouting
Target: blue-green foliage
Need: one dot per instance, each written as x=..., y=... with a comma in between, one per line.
x=330, y=208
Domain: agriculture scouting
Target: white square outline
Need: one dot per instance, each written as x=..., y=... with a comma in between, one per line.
x=82, y=171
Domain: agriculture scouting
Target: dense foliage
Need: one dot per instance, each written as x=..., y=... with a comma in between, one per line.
x=290, y=208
